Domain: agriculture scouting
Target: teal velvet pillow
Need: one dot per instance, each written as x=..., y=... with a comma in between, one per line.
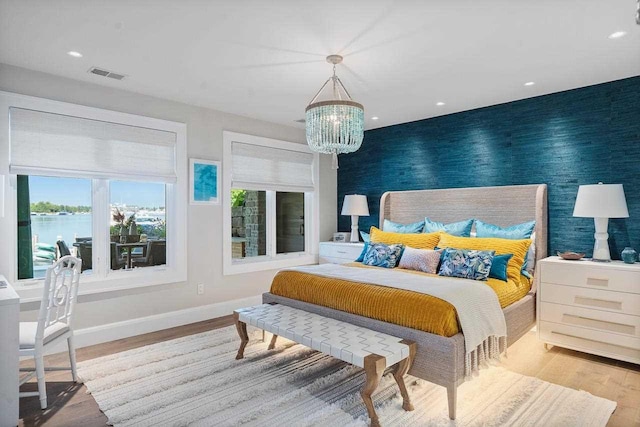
x=462, y=228
x=499, y=266
x=396, y=227
x=366, y=237
x=364, y=250
x=466, y=264
x=381, y=255
x=514, y=232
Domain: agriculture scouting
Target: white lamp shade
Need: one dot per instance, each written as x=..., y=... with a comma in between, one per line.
x=355, y=204
x=601, y=201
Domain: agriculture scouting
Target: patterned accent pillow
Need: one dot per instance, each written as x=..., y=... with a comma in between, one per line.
x=462, y=228
x=396, y=227
x=518, y=248
x=424, y=260
x=381, y=255
x=467, y=264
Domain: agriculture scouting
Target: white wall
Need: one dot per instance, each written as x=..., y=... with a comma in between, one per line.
x=204, y=138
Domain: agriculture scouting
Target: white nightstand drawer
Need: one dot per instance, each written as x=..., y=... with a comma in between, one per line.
x=605, y=321
x=339, y=253
x=613, y=277
x=602, y=343
x=598, y=299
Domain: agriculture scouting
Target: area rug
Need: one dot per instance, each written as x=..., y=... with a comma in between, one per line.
x=195, y=380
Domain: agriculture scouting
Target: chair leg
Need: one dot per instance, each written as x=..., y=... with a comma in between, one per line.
x=72, y=358
x=42, y=386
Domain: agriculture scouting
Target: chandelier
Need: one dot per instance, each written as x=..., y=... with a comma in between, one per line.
x=335, y=126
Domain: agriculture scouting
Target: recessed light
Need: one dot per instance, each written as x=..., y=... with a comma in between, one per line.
x=374, y=118
x=74, y=54
x=617, y=34
x=529, y=83
x=440, y=103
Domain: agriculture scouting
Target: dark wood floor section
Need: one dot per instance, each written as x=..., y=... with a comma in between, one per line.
x=70, y=405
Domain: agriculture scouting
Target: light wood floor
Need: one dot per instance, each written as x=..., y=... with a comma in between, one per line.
x=69, y=405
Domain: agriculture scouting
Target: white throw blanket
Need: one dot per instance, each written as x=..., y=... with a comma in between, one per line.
x=479, y=312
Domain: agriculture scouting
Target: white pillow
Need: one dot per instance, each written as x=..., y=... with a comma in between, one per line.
x=425, y=260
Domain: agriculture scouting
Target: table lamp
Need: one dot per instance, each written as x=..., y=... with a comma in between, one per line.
x=355, y=205
x=601, y=202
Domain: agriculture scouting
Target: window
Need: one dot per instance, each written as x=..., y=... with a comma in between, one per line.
x=270, y=212
x=138, y=228
x=54, y=217
x=71, y=168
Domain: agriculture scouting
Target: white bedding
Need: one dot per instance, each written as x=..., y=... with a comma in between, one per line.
x=478, y=308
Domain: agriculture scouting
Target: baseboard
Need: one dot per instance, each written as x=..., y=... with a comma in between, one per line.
x=143, y=325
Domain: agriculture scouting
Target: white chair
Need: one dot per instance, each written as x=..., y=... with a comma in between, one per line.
x=54, y=323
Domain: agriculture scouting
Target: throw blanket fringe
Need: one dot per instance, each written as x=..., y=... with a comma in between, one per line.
x=477, y=307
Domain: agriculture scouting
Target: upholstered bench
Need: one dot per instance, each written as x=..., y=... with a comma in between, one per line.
x=361, y=347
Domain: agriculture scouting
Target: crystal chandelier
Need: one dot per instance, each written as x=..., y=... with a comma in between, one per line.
x=335, y=126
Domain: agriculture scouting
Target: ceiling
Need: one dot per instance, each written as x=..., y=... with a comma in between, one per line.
x=266, y=59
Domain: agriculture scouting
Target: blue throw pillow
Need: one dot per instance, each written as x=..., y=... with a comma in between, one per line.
x=514, y=232
x=366, y=237
x=364, y=251
x=499, y=266
x=462, y=228
x=396, y=227
x=466, y=264
x=381, y=255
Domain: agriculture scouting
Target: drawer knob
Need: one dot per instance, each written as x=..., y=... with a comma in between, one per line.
x=605, y=325
x=342, y=252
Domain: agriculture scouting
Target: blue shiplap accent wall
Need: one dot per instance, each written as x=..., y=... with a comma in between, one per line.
x=565, y=139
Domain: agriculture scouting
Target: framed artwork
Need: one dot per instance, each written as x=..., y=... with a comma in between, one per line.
x=204, y=182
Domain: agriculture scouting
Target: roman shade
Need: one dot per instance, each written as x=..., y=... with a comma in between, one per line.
x=259, y=167
x=51, y=144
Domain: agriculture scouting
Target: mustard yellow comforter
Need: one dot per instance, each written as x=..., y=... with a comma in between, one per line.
x=398, y=306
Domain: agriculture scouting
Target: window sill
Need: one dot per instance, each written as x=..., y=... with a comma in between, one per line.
x=264, y=264
x=31, y=290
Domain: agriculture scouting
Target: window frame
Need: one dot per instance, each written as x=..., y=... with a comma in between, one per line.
x=272, y=260
x=102, y=279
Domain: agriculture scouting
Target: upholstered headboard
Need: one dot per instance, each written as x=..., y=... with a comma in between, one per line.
x=502, y=206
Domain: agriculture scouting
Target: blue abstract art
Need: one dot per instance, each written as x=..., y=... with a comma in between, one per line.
x=205, y=180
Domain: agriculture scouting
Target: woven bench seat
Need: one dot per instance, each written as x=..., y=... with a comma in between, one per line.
x=362, y=347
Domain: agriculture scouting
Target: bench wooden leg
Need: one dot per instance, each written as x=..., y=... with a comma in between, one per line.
x=400, y=370
x=374, y=366
x=244, y=337
x=272, y=344
x=452, y=397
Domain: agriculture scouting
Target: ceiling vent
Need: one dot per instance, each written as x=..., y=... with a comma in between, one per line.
x=105, y=73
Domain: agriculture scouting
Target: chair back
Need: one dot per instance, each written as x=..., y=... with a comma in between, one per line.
x=60, y=294
x=63, y=248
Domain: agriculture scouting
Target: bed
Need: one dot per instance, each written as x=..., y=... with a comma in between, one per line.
x=441, y=359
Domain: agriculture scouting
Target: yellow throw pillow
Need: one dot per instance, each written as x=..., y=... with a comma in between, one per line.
x=518, y=248
x=415, y=240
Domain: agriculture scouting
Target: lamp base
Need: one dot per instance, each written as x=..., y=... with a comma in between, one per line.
x=601, y=246
x=355, y=236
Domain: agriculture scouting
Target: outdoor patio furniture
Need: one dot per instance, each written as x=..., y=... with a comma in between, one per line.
x=63, y=248
x=155, y=253
x=117, y=260
x=85, y=253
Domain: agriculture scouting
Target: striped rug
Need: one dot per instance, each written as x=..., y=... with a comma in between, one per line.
x=195, y=380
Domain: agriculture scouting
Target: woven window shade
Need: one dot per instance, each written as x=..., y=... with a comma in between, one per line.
x=58, y=145
x=256, y=167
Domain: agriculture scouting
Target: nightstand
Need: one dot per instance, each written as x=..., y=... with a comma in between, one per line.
x=339, y=253
x=590, y=306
